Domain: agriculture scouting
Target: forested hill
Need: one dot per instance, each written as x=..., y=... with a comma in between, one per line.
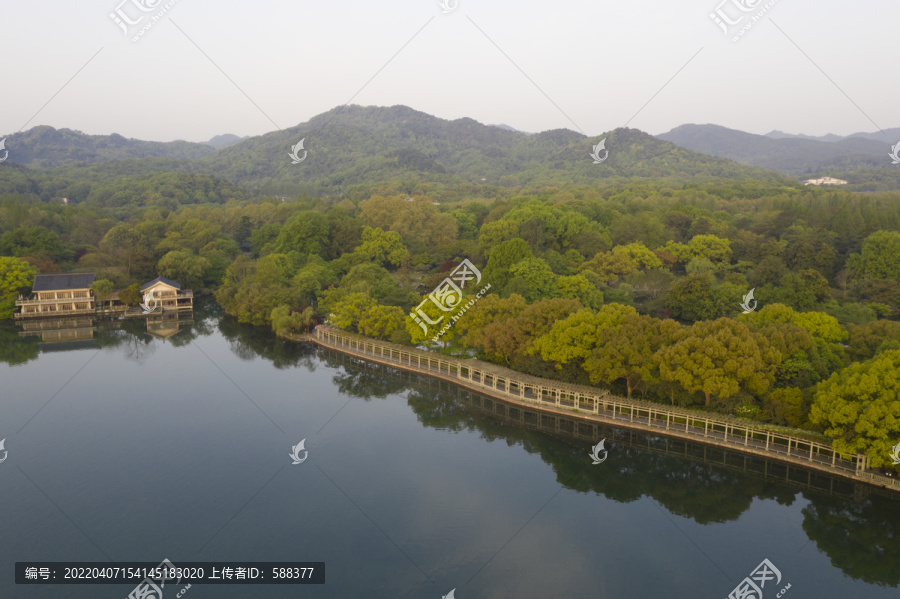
x=359, y=145
x=46, y=147
x=356, y=144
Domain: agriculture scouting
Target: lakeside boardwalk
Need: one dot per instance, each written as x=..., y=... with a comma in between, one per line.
x=599, y=405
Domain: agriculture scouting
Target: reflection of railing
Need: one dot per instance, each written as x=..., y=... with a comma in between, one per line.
x=601, y=405
x=585, y=429
x=58, y=312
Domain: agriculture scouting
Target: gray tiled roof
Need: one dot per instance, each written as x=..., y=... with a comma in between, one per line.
x=174, y=284
x=70, y=280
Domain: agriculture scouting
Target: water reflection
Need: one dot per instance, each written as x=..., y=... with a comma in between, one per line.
x=23, y=341
x=857, y=526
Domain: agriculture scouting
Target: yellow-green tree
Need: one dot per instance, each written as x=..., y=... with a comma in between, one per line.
x=382, y=247
x=381, y=321
x=505, y=340
x=718, y=358
x=628, y=351
x=574, y=338
x=859, y=407
x=348, y=310
x=490, y=309
x=16, y=276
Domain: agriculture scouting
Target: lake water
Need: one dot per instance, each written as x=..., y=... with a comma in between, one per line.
x=128, y=447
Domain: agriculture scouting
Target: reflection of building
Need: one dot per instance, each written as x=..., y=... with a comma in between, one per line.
x=56, y=330
x=164, y=294
x=165, y=325
x=58, y=295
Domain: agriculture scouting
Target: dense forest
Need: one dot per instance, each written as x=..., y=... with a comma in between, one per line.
x=637, y=286
x=635, y=274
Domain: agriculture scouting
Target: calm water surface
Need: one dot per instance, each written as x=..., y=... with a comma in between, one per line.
x=127, y=447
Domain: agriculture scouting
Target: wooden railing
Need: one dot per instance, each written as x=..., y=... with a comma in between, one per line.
x=599, y=404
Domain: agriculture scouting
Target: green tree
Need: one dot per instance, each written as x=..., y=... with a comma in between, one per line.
x=490, y=309
x=131, y=295
x=286, y=322
x=785, y=406
x=718, y=357
x=693, y=298
x=879, y=256
x=347, y=312
x=306, y=232
x=382, y=247
x=639, y=255
x=711, y=247
x=381, y=321
x=16, y=276
x=38, y=242
x=102, y=289
x=804, y=290
x=859, y=407
x=532, y=278
x=609, y=266
x=125, y=246
x=509, y=339
x=184, y=267
x=578, y=287
x=574, y=338
x=503, y=257
x=866, y=341
x=628, y=351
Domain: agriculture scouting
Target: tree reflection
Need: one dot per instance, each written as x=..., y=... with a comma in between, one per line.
x=249, y=342
x=862, y=537
x=15, y=349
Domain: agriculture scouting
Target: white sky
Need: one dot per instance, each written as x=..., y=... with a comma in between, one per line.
x=599, y=61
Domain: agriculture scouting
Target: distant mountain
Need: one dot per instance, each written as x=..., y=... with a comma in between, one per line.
x=508, y=128
x=46, y=147
x=890, y=136
x=794, y=156
x=223, y=141
x=355, y=144
x=782, y=135
x=886, y=136
x=344, y=147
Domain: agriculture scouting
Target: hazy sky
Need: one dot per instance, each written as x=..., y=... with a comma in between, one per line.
x=247, y=68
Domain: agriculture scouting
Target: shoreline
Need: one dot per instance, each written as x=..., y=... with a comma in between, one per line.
x=723, y=433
